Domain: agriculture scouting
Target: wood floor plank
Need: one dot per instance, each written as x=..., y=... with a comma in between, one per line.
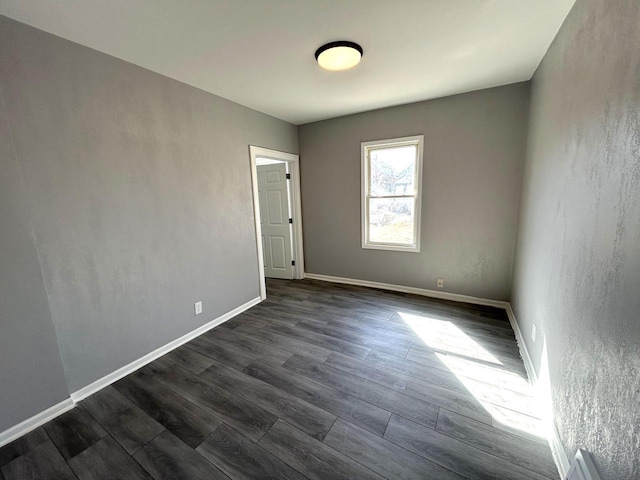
x=399, y=326
x=246, y=417
x=289, y=302
x=489, y=341
x=106, y=460
x=370, y=392
x=457, y=311
x=292, y=307
x=356, y=338
x=341, y=404
x=311, y=457
x=338, y=306
x=526, y=453
x=436, y=395
x=382, y=456
x=244, y=318
x=486, y=393
x=442, y=336
x=188, y=422
x=74, y=431
x=442, y=377
x=447, y=371
x=519, y=424
x=168, y=458
x=429, y=305
x=242, y=459
x=467, y=321
x=189, y=359
x=222, y=353
x=43, y=462
x=389, y=336
x=430, y=357
x=452, y=454
x=123, y=419
x=23, y=445
x=325, y=341
x=426, y=357
x=285, y=343
x=274, y=315
x=248, y=345
x=307, y=417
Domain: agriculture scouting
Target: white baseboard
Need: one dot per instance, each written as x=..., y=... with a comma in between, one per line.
x=522, y=346
x=150, y=357
x=557, y=450
x=455, y=297
x=36, y=421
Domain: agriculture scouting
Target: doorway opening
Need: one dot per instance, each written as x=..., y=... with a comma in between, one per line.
x=275, y=178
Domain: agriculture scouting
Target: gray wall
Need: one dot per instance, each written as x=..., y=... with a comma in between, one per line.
x=140, y=197
x=473, y=154
x=31, y=374
x=577, y=274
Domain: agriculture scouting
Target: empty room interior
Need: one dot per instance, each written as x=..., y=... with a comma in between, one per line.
x=359, y=239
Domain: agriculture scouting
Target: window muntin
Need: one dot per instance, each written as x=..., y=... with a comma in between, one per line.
x=391, y=187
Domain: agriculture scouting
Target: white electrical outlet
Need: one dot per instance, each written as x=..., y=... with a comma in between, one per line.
x=440, y=283
x=533, y=332
x=198, y=308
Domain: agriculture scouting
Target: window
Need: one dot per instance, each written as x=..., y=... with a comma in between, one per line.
x=391, y=188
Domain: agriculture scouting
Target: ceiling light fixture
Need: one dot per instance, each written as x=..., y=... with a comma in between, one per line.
x=339, y=55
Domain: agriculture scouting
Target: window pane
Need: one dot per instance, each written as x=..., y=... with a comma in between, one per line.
x=393, y=170
x=391, y=220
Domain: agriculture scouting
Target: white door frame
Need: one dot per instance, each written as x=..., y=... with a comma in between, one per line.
x=293, y=162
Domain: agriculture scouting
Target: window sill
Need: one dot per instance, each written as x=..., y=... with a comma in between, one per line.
x=391, y=248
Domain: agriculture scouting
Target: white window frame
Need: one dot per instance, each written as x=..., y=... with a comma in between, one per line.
x=366, y=148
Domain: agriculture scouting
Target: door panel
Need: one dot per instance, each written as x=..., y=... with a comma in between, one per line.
x=278, y=255
x=275, y=204
x=273, y=197
x=274, y=176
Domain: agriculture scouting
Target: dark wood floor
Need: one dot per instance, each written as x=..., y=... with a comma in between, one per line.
x=320, y=381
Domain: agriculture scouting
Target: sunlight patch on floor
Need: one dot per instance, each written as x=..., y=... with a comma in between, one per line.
x=495, y=375
x=510, y=421
x=445, y=336
x=495, y=391
x=504, y=394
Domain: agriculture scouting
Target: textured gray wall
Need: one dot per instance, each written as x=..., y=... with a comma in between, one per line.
x=473, y=152
x=140, y=192
x=31, y=374
x=577, y=274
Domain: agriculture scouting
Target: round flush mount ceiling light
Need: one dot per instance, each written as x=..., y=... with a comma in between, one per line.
x=339, y=55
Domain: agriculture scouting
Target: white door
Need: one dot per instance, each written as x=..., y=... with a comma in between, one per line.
x=274, y=219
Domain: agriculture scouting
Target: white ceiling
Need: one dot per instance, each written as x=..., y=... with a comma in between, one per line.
x=259, y=53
